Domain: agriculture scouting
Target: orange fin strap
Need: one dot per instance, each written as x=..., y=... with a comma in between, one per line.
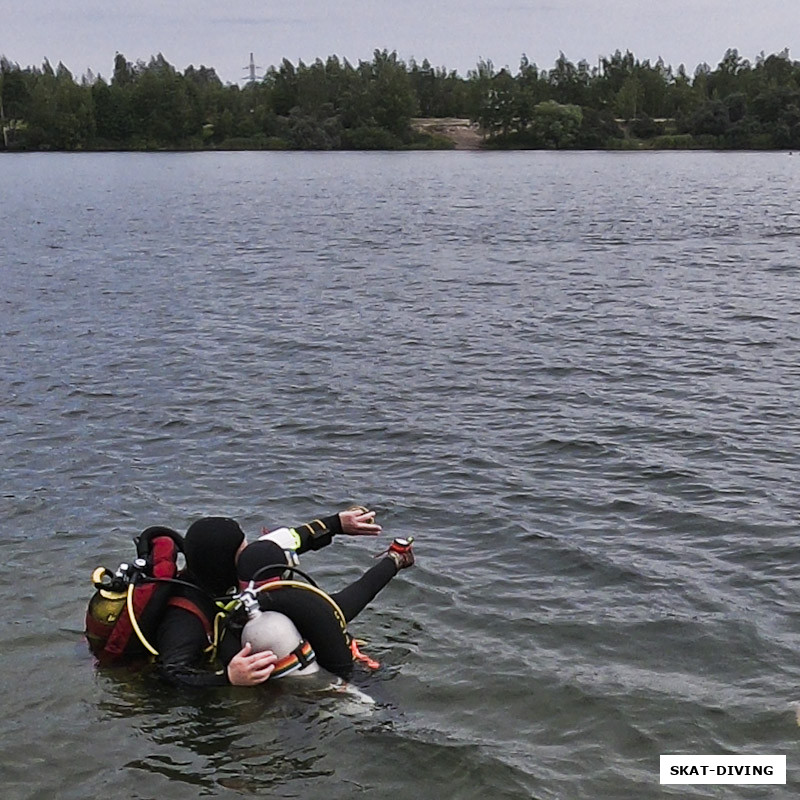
x=362, y=657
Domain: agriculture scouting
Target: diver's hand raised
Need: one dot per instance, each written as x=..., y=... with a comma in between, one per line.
x=249, y=669
x=359, y=521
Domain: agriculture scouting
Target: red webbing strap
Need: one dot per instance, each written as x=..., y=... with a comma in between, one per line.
x=188, y=605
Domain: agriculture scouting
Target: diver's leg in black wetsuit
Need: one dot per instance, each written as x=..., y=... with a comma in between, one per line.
x=353, y=599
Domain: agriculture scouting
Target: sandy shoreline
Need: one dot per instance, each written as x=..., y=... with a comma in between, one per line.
x=464, y=134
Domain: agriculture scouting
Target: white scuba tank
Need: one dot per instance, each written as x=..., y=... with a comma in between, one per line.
x=271, y=630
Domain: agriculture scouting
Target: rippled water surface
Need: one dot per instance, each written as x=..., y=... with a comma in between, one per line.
x=572, y=377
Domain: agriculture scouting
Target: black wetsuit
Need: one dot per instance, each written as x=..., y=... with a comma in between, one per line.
x=316, y=619
x=182, y=638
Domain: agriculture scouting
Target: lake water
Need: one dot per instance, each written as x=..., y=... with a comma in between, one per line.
x=572, y=377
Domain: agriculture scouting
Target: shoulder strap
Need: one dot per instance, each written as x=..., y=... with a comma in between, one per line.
x=187, y=605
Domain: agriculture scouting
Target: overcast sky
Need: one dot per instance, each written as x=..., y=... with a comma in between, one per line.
x=86, y=34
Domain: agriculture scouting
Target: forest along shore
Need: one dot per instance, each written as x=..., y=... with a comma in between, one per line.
x=620, y=104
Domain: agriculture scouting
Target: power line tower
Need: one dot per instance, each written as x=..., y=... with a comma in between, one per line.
x=252, y=76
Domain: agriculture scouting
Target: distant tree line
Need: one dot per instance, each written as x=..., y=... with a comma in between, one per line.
x=620, y=102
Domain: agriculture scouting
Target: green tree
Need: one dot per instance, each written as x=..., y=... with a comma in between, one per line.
x=480, y=102
x=570, y=83
x=531, y=88
x=14, y=90
x=60, y=114
x=283, y=87
x=730, y=75
x=555, y=125
x=628, y=101
x=711, y=119
x=391, y=96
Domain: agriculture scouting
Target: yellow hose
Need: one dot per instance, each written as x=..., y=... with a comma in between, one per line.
x=268, y=587
x=135, y=624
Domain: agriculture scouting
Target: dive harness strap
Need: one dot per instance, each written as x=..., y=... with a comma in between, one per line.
x=300, y=657
x=188, y=605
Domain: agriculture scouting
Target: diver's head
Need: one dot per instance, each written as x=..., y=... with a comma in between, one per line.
x=211, y=546
x=271, y=630
x=256, y=557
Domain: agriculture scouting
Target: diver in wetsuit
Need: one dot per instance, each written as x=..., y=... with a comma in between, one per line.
x=190, y=627
x=320, y=618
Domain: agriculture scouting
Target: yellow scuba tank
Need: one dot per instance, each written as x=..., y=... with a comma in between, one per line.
x=105, y=607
